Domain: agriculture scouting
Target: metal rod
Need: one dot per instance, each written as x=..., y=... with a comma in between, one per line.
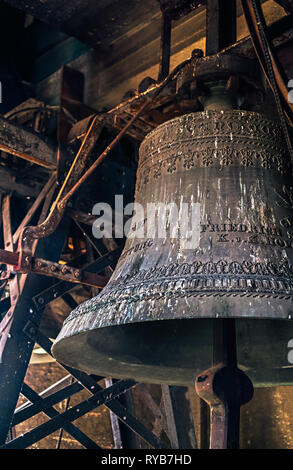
x=35, y=206
x=29, y=158
x=31, y=409
x=225, y=353
x=58, y=445
x=64, y=419
x=220, y=25
x=101, y=158
x=224, y=345
x=32, y=436
x=166, y=28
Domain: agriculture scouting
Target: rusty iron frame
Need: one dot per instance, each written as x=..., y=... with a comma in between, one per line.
x=99, y=397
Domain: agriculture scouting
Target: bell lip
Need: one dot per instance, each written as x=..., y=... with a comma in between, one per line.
x=261, y=377
x=62, y=334
x=121, y=313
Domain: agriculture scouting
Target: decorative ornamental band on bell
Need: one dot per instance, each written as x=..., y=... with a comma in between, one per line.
x=151, y=322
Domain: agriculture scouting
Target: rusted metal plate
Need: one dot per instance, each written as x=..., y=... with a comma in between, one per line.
x=52, y=269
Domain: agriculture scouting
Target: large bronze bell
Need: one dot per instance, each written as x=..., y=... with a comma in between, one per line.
x=152, y=321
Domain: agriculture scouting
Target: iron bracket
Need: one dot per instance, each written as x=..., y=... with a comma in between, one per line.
x=26, y=263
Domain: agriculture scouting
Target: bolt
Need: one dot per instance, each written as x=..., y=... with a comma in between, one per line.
x=196, y=54
x=76, y=273
x=32, y=330
x=64, y=270
x=40, y=300
x=52, y=268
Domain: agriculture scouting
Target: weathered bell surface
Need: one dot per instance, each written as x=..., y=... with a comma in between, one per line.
x=152, y=321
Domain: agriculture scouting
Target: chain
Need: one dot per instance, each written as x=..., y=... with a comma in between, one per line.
x=272, y=78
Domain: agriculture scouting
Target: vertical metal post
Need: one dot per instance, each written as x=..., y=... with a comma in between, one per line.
x=204, y=417
x=225, y=353
x=71, y=96
x=224, y=342
x=220, y=25
x=165, y=46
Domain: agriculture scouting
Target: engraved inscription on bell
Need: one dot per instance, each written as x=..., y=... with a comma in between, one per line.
x=234, y=165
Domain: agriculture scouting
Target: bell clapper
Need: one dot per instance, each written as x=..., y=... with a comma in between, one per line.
x=224, y=387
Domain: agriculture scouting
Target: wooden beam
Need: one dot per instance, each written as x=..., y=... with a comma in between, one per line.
x=26, y=144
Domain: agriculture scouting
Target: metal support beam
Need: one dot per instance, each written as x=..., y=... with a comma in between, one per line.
x=91, y=385
x=32, y=436
x=179, y=419
x=63, y=420
x=18, y=347
x=9, y=185
x=50, y=268
x=60, y=288
x=42, y=195
x=220, y=25
x=204, y=419
x=28, y=410
x=165, y=46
